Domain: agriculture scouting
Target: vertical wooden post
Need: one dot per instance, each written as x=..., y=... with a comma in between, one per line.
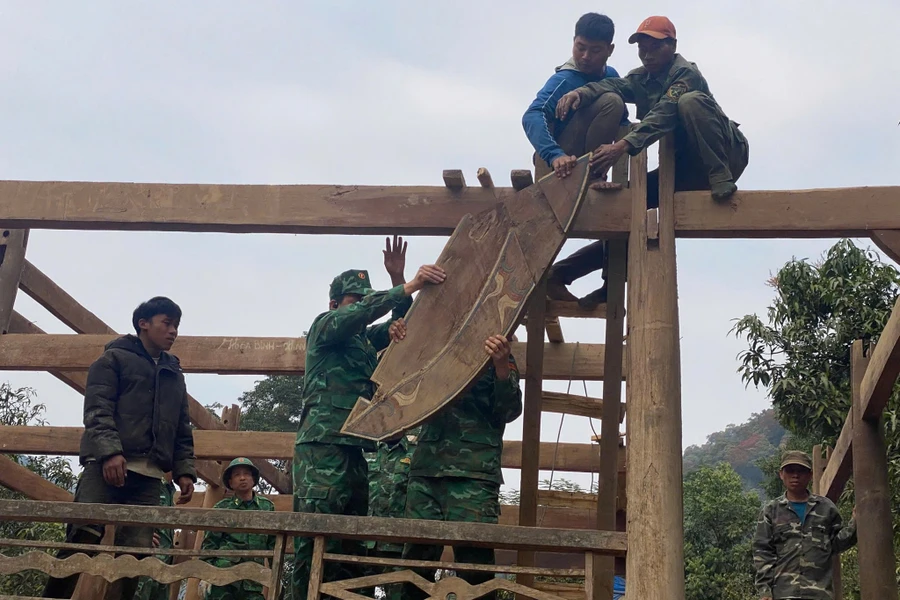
x=531, y=423
x=818, y=469
x=603, y=568
x=12, y=259
x=655, y=561
x=835, y=560
x=316, y=568
x=277, y=568
x=231, y=418
x=877, y=579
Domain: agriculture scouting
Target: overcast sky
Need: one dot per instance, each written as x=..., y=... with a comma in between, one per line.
x=392, y=93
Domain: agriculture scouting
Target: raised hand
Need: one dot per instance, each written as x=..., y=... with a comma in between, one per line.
x=395, y=259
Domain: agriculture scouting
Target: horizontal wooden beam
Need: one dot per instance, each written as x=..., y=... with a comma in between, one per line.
x=225, y=445
x=840, y=464
x=418, y=210
x=883, y=369
x=573, y=404
x=28, y=483
x=309, y=525
x=247, y=355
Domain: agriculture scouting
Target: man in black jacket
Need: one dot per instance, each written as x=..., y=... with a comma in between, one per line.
x=136, y=428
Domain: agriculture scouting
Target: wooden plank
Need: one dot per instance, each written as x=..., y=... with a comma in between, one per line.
x=839, y=466
x=888, y=241
x=559, y=308
x=884, y=368
x=245, y=355
x=554, y=331
x=13, y=243
x=572, y=404
x=520, y=179
x=655, y=561
x=877, y=568
x=818, y=467
x=454, y=179
x=310, y=525
x=71, y=312
x=422, y=210
x=603, y=568
x=468, y=567
x=225, y=445
x=484, y=178
x=28, y=483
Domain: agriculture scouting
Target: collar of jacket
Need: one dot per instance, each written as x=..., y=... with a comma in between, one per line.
x=133, y=343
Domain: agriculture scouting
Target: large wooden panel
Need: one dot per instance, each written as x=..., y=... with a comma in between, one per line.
x=493, y=262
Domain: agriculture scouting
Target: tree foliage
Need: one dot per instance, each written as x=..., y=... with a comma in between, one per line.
x=18, y=407
x=719, y=520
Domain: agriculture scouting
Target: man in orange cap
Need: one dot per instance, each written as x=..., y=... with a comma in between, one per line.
x=671, y=95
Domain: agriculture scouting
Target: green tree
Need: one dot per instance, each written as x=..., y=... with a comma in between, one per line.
x=17, y=407
x=801, y=354
x=719, y=520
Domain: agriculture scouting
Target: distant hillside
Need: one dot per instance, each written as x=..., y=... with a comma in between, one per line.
x=740, y=446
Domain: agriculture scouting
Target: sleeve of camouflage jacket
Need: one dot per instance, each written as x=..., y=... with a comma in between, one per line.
x=378, y=334
x=618, y=85
x=183, y=456
x=337, y=326
x=843, y=537
x=101, y=393
x=764, y=554
x=508, y=394
x=663, y=116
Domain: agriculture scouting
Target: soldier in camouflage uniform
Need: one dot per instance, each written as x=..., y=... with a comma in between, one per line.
x=240, y=476
x=330, y=472
x=455, y=472
x=797, y=536
x=148, y=589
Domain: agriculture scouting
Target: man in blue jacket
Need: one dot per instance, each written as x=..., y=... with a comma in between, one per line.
x=559, y=143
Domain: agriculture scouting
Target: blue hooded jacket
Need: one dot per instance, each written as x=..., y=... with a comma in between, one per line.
x=540, y=122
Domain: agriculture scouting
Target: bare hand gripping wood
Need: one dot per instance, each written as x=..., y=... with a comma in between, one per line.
x=493, y=261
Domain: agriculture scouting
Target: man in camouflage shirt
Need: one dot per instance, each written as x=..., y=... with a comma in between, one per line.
x=330, y=472
x=148, y=589
x=797, y=536
x=455, y=472
x=240, y=476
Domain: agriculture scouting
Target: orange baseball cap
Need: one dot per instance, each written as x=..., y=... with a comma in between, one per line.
x=656, y=27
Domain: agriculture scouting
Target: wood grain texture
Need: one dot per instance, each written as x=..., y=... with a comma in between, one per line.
x=884, y=367
x=28, y=483
x=888, y=241
x=573, y=404
x=13, y=243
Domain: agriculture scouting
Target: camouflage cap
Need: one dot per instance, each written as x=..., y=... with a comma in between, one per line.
x=795, y=457
x=353, y=281
x=239, y=462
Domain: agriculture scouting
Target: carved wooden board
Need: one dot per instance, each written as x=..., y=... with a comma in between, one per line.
x=493, y=261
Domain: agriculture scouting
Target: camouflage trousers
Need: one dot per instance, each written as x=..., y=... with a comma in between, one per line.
x=329, y=479
x=234, y=591
x=149, y=589
x=451, y=499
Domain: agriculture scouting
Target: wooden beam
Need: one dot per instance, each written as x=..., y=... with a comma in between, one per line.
x=554, y=331
x=245, y=355
x=454, y=179
x=12, y=258
x=423, y=210
x=877, y=568
x=28, y=483
x=573, y=404
x=888, y=241
x=884, y=368
x=839, y=466
x=225, y=445
x=557, y=308
x=484, y=178
x=71, y=312
x=655, y=561
x=309, y=524
x=520, y=179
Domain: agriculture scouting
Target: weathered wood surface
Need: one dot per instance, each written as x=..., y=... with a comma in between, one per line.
x=468, y=567
x=888, y=241
x=493, y=262
x=839, y=466
x=655, y=561
x=113, y=568
x=71, y=312
x=310, y=525
x=13, y=243
x=242, y=355
x=422, y=210
x=225, y=445
x=98, y=548
x=877, y=569
x=28, y=483
x=573, y=404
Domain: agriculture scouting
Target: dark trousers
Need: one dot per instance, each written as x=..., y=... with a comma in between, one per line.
x=709, y=149
x=138, y=490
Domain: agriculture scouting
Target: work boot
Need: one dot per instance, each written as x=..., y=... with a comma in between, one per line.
x=557, y=290
x=595, y=298
x=723, y=190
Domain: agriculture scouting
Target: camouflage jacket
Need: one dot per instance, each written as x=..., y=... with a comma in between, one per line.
x=388, y=479
x=465, y=438
x=224, y=540
x=793, y=559
x=341, y=354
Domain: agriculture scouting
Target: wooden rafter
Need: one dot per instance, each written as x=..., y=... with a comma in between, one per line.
x=417, y=210
x=245, y=355
x=573, y=404
x=28, y=483
x=225, y=445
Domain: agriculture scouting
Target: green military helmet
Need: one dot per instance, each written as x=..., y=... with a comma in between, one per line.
x=239, y=462
x=353, y=281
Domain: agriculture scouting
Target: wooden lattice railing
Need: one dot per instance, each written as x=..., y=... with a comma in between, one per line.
x=103, y=563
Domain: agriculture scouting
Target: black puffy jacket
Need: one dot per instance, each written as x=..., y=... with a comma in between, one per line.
x=137, y=408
